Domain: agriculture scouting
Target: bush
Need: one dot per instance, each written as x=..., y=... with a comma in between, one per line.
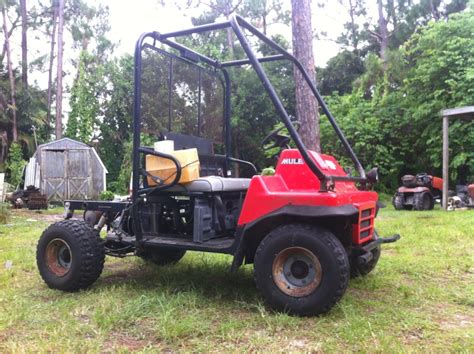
x=15, y=164
x=107, y=195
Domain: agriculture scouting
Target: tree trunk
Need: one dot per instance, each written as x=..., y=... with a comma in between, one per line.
x=230, y=42
x=382, y=35
x=306, y=104
x=434, y=11
x=24, y=45
x=355, y=40
x=10, y=31
x=10, y=75
x=59, y=89
x=51, y=62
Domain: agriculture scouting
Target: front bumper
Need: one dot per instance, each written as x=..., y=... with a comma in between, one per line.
x=364, y=253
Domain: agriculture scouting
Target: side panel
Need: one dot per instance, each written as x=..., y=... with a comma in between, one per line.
x=437, y=183
x=295, y=184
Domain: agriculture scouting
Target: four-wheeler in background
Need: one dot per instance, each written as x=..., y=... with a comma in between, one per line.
x=462, y=198
x=306, y=229
x=418, y=192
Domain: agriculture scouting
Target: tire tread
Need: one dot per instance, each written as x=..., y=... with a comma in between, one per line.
x=333, y=243
x=91, y=249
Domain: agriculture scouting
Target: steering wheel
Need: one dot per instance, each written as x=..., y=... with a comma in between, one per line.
x=279, y=140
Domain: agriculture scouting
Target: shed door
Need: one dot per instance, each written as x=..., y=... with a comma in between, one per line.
x=54, y=174
x=79, y=174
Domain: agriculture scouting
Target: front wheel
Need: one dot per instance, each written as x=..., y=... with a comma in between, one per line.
x=423, y=201
x=364, y=269
x=70, y=255
x=301, y=269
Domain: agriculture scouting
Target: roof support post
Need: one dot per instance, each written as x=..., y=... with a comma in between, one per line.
x=445, y=161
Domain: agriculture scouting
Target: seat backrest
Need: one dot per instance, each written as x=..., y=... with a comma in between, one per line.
x=181, y=142
x=211, y=165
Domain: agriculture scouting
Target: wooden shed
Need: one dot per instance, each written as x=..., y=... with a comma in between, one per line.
x=66, y=169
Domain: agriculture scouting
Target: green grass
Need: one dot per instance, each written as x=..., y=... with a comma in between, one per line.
x=419, y=298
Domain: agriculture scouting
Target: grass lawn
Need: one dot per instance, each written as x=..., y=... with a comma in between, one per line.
x=419, y=298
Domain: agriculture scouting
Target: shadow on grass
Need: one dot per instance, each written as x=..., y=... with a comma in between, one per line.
x=207, y=277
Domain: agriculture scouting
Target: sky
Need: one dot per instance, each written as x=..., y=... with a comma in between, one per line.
x=129, y=21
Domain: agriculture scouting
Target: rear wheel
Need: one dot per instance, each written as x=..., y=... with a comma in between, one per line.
x=70, y=255
x=163, y=257
x=423, y=201
x=301, y=269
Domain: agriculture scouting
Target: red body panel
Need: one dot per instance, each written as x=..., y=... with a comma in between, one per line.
x=294, y=183
x=470, y=190
x=437, y=183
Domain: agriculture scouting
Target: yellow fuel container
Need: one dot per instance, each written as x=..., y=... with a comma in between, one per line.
x=165, y=169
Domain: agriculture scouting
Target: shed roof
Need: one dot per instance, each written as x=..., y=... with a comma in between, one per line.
x=68, y=143
x=64, y=143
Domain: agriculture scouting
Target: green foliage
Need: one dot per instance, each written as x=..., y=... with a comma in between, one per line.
x=107, y=195
x=441, y=61
x=116, y=125
x=268, y=171
x=122, y=183
x=84, y=101
x=340, y=72
x=392, y=119
x=15, y=164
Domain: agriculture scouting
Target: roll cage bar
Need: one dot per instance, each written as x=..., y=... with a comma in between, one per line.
x=237, y=24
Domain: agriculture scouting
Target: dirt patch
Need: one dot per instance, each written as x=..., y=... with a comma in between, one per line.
x=414, y=335
x=7, y=334
x=123, y=340
x=457, y=321
x=38, y=215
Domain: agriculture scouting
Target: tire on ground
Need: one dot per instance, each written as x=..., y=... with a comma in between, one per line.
x=70, y=255
x=364, y=269
x=423, y=201
x=163, y=256
x=318, y=247
x=397, y=201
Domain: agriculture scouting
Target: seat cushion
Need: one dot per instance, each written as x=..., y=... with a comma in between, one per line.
x=213, y=184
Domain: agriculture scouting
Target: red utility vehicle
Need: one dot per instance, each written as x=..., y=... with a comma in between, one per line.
x=306, y=229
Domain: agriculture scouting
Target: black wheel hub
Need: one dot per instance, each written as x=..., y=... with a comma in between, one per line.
x=300, y=269
x=64, y=257
x=58, y=257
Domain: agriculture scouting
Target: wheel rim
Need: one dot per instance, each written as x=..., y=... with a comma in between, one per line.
x=297, y=271
x=58, y=257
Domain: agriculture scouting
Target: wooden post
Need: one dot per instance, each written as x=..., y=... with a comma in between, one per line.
x=445, y=161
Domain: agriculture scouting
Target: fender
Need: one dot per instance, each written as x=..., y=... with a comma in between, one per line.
x=413, y=190
x=296, y=212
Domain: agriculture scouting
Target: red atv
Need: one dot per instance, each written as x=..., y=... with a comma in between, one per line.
x=306, y=229
x=418, y=192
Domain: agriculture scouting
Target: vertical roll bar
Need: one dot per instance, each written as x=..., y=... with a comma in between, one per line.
x=277, y=103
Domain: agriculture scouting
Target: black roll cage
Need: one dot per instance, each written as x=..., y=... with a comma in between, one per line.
x=236, y=23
